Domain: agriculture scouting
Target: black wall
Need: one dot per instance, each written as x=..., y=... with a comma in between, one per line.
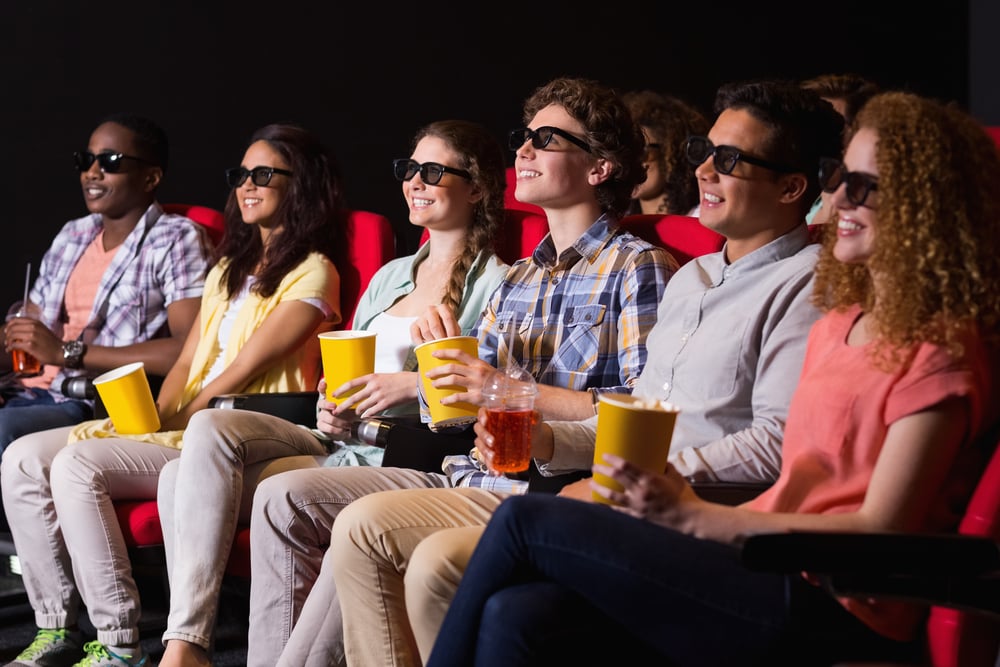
x=366, y=75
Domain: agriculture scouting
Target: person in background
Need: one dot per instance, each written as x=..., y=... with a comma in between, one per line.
x=884, y=434
x=274, y=287
x=729, y=339
x=453, y=183
x=119, y=285
x=847, y=93
x=583, y=302
x=670, y=186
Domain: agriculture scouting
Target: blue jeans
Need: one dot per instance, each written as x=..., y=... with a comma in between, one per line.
x=557, y=581
x=36, y=410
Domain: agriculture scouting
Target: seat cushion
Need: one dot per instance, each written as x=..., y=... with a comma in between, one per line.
x=140, y=522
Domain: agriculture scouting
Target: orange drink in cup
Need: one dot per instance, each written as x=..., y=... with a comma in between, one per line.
x=509, y=399
x=24, y=364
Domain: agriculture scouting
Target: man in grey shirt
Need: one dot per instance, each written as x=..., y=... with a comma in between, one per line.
x=727, y=348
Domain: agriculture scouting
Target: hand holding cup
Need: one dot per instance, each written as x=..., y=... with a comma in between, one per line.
x=22, y=325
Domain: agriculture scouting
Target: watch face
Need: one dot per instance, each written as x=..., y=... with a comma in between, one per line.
x=73, y=352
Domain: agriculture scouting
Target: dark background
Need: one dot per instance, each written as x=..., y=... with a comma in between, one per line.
x=366, y=75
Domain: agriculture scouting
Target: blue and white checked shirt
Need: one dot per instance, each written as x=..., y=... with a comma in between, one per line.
x=170, y=264
x=582, y=318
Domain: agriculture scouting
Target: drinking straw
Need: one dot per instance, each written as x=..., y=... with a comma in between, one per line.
x=510, y=345
x=27, y=282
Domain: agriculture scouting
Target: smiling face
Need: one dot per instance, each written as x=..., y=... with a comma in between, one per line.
x=115, y=195
x=448, y=205
x=556, y=175
x=856, y=225
x=258, y=203
x=744, y=204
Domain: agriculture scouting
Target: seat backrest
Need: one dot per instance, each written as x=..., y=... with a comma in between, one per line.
x=961, y=638
x=994, y=131
x=510, y=202
x=370, y=244
x=522, y=231
x=682, y=235
x=211, y=219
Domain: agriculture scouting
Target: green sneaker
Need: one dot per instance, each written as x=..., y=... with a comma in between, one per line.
x=98, y=655
x=51, y=648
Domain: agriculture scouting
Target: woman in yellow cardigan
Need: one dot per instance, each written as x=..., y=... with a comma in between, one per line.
x=274, y=288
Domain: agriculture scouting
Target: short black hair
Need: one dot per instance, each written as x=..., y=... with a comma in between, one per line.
x=803, y=126
x=150, y=137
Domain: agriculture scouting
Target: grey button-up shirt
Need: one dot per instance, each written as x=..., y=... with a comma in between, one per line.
x=727, y=349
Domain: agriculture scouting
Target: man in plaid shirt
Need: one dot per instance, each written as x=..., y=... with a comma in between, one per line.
x=119, y=285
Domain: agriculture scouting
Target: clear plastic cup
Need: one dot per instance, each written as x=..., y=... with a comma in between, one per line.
x=23, y=363
x=509, y=399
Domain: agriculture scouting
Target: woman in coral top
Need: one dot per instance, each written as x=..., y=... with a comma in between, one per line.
x=883, y=434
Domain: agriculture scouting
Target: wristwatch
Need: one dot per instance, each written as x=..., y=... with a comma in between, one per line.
x=73, y=351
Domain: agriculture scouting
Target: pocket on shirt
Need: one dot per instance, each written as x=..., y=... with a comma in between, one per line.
x=585, y=338
x=718, y=361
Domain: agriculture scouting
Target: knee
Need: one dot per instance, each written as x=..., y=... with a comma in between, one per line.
x=69, y=468
x=356, y=534
x=23, y=458
x=274, y=503
x=438, y=563
x=208, y=431
x=167, y=482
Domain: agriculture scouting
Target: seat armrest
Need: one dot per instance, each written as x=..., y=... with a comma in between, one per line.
x=900, y=553
x=728, y=493
x=298, y=407
x=957, y=571
x=410, y=444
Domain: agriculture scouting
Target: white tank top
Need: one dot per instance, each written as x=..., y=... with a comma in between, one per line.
x=392, y=344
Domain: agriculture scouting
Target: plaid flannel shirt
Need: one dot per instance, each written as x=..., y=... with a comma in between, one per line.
x=582, y=319
x=170, y=264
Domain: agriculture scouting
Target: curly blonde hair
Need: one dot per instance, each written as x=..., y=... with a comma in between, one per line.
x=938, y=230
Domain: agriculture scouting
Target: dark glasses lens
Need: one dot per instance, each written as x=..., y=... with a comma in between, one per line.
x=725, y=158
x=431, y=173
x=833, y=172
x=110, y=163
x=260, y=176
x=541, y=138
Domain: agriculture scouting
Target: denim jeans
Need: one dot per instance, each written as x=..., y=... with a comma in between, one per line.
x=38, y=412
x=556, y=580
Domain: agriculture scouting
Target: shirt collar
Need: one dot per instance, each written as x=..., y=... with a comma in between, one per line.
x=783, y=247
x=589, y=246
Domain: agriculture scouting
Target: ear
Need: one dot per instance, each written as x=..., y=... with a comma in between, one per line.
x=793, y=187
x=601, y=171
x=153, y=177
x=475, y=194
